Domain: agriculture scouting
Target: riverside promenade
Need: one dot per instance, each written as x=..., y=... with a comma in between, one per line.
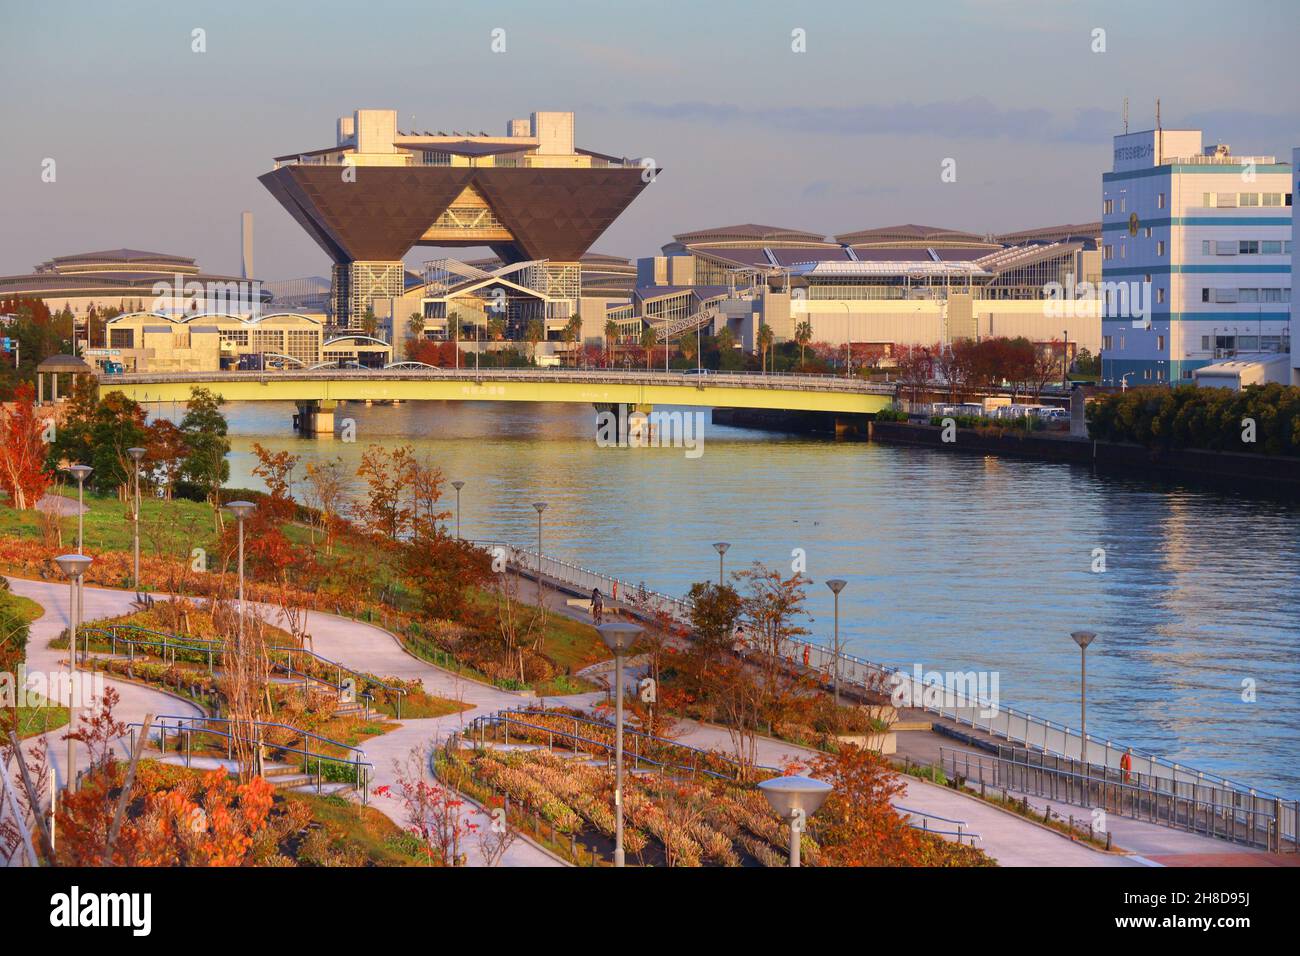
x=1011, y=840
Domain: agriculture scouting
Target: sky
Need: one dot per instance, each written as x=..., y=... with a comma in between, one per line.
x=158, y=147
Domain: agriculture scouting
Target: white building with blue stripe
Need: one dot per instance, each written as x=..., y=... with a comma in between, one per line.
x=1196, y=257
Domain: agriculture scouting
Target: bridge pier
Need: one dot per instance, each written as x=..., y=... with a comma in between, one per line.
x=314, y=418
x=629, y=426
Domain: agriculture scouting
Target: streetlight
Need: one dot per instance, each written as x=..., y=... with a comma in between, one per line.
x=836, y=585
x=81, y=473
x=619, y=636
x=795, y=799
x=73, y=567
x=1083, y=639
x=242, y=510
x=720, y=547
x=136, y=455
x=458, y=485
x=540, y=506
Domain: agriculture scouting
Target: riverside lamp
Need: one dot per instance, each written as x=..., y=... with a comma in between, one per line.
x=1083, y=639
x=458, y=485
x=540, y=506
x=73, y=567
x=137, y=454
x=795, y=799
x=241, y=510
x=619, y=636
x=720, y=547
x=81, y=473
x=836, y=585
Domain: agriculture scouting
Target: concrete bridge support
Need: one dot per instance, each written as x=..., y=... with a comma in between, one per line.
x=314, y=418
x=627, y=424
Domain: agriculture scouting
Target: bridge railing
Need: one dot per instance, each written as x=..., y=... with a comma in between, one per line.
x=776, y=380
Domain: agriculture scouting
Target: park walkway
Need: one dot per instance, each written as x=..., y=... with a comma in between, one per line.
x=1007, y=838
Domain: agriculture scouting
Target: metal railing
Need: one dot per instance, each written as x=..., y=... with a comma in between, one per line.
x=185, y=728
x=789, y=381
x=635, y=742
x=996, y=720
x=209, y=647
x=959, y=828
x=1208, y=810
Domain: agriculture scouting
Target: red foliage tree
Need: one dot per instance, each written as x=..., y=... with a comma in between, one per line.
x=23, y=470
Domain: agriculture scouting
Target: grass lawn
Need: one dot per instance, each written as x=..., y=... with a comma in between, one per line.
x=24, y=607
x=381, y=841
x=166, y=527
x=36, y=720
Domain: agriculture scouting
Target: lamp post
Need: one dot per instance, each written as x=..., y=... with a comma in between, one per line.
x=73, y=567
x=619, y=636
x=1083, y=639
x=836, y=585
x=241, y=509
x=720, y=547
x=458, y=485
x=540, y=506
x=795, y=799
x=81, y=473
x=136, y=455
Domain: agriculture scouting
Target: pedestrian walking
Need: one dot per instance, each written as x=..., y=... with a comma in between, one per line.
x=597, y=605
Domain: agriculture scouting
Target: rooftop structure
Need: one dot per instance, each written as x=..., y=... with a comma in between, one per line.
x=530, y=194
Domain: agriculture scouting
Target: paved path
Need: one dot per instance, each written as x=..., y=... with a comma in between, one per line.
x=1008, y=839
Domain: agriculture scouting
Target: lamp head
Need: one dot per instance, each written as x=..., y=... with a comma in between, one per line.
x=458, y=485
x=1083, y=638
x=72, y=565
x=136, y=453
x=721, y=546
x=785, y=795
x=619, y=636
x=540, y=506
x=80, y=472
x=836, y=584
x=241, y=509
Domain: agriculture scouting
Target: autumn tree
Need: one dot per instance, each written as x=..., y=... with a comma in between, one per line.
x=324, y=487
x=24, y=471
x=204, y=428
x=385, y=511
x=165, y=452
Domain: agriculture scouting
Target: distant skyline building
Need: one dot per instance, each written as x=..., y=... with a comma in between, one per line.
x=530, y=195
x=1203, y=239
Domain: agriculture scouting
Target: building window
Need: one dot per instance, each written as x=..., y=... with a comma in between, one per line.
x=1160, y=200
x=1160, y=343
x=1248, y=247
x=1108, y=207
x=1249, y=199
x=1160, y=296
x=1207, y=247
x=1271, y=247
x=1106, y=343
x=1225, y=200
x=1205, y=294
x=1160, y=247
x=1272, y=199
x=1108, y=252
x=121, y=338
x=1146, y=233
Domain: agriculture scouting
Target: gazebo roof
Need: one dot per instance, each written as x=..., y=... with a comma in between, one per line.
x=65, y=363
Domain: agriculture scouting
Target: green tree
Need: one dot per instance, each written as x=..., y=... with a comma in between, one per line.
x=765, y=339
x=533, y=334
x=803, y=333
x=649, y=338
x=204, y=428
x=611, y=338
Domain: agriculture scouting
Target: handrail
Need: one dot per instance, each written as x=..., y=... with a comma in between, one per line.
x=219, y=647
x=962, y=826
x=502, y=717
x=1003, y=722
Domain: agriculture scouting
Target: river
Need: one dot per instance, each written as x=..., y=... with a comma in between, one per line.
x=953, y=562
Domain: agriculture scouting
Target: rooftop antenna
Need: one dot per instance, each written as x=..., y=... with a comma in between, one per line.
x=1126, y=116
x=1157, y=112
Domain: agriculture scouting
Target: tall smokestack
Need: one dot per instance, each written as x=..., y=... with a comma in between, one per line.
x=246, y=243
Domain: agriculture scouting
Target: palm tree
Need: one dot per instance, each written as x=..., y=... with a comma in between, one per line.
x=687, y=345
x=726, y=340
x=803, y=334
x=534, y=333
x=415, y=325
x=648, y=339
x=764, y=342
x=496, y=329
x=572, y=330
x=611, y=338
